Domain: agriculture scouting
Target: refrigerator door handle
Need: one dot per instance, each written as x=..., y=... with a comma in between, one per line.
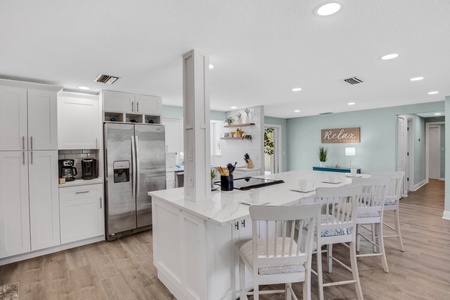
x=133, y=164
x=137, y=164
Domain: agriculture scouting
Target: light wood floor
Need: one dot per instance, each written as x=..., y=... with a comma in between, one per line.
x=123, y=269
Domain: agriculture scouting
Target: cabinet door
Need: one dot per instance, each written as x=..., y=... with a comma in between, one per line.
x=78, y=121
x=118, y=102
x=44, y=206
x=148, y=105
x=14, y=205
x=174, y=134
x=82, y=214
x=13, y=118
x=42, y=120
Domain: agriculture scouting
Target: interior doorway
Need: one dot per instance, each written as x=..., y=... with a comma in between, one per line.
x=272, y=149
x=405, y=134
x=435, y=156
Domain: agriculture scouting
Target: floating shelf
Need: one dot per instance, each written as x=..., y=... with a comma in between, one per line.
x=231, y=138
x=239, y=125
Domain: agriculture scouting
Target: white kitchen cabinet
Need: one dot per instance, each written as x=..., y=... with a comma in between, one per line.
x=128, y=107
x=78, y=121
x=44, y=206
x=174, y=134
x=82, y=212
x=28, y=118
x=14, y=204
x=118, y=101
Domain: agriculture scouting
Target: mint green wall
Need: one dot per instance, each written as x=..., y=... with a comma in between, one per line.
x=377, y=150
x=177, y=112
x=284, y=140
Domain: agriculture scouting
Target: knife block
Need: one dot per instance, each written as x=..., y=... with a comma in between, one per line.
x=250, y=164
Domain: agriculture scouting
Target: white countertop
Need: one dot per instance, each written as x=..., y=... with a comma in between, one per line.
x=226, y=206
x=78, y=182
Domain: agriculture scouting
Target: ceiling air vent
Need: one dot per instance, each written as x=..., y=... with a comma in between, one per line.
x=353, y=80
x=106, y=79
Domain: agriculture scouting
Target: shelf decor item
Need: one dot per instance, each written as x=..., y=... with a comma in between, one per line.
x=323, y=156
x=247, y=137
x=229, y=120
x=248, y=118
x=239, y=118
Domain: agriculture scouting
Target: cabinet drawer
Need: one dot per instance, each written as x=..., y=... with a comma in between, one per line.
x=77, y=193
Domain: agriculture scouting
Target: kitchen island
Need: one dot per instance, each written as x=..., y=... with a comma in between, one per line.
x=193, y=242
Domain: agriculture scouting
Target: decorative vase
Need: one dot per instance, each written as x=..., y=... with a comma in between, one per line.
x=322, y=164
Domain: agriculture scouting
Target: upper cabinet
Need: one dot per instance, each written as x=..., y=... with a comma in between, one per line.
x=28, y=116
x=127, y=107
x=79, y=121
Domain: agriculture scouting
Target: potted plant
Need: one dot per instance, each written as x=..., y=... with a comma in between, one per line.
x=322, y=156
x=238, y=117
x=213, y=176
x=247, y=112
x=247, y=137
x=229, y=120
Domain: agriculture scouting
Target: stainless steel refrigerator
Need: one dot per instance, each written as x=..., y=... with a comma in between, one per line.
x=135, y=163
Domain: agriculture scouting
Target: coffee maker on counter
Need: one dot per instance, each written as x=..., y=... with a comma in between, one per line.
x=89, y=168
x=67, y=169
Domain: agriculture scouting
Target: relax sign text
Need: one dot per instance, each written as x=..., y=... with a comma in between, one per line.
x=341, y=135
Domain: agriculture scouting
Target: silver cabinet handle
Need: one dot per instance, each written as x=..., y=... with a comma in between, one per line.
x=23, y=143
x=100, y=202
x=31, y=142
x=31, y=157
x=132, y=106
x=23, y=157
x=133, y=165
x=236, y=225
x=243, y=223
x=137, y=104
x=136, y=140
x=83, y=192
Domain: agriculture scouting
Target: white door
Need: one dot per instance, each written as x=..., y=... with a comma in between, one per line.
x=13, y=118
x=42, y=120
x=14, y=205
x=149, y=105
x=44, y=204
x=434, y=167
x=118, y=102
x=78, y=121
x=82, y=213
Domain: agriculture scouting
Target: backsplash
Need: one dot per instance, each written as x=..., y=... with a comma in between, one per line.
x=78, y=156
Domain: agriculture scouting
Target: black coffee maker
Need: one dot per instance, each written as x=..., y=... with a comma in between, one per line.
x=67, y=169
x=89, y=168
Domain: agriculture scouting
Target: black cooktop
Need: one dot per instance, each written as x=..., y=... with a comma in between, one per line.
x=247, y=183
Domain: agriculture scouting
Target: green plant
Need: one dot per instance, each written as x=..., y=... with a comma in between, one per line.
x=213, y=173
x=323, y=154
x=238, y=115
x=268, y=143
x=247, y=137
x=229, y=120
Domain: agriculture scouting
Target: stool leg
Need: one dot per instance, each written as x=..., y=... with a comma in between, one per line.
x=355, y=272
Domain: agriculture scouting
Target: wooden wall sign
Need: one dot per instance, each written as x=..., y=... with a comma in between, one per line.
x=341, y=135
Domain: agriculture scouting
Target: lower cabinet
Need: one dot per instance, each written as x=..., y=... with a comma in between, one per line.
x=196, y=258
x=82, y=212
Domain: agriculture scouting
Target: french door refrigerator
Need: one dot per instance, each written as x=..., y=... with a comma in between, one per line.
x=135, y=164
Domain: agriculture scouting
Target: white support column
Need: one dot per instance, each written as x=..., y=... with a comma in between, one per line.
x=446, y=214
x=197, y=158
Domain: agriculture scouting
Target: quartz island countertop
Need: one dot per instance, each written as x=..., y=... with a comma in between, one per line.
x=229, y=206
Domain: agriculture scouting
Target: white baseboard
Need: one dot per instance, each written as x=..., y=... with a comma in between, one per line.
x=19, y=257
x=446, y=215
x=419, y=185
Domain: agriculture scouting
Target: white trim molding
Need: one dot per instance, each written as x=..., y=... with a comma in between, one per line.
x=446, y=215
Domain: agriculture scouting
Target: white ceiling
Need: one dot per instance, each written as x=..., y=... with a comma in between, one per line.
x=261, y=49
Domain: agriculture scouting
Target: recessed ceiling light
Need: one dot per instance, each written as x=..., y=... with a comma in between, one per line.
x=416, y=78
x=437, y=114
x=433, y=92
x=233, y=107
x=211, y=66
x=83, y=88
x=351, y=103
x=297, y=110
x=296, y=89
x=389, y=56
x=328, y=9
